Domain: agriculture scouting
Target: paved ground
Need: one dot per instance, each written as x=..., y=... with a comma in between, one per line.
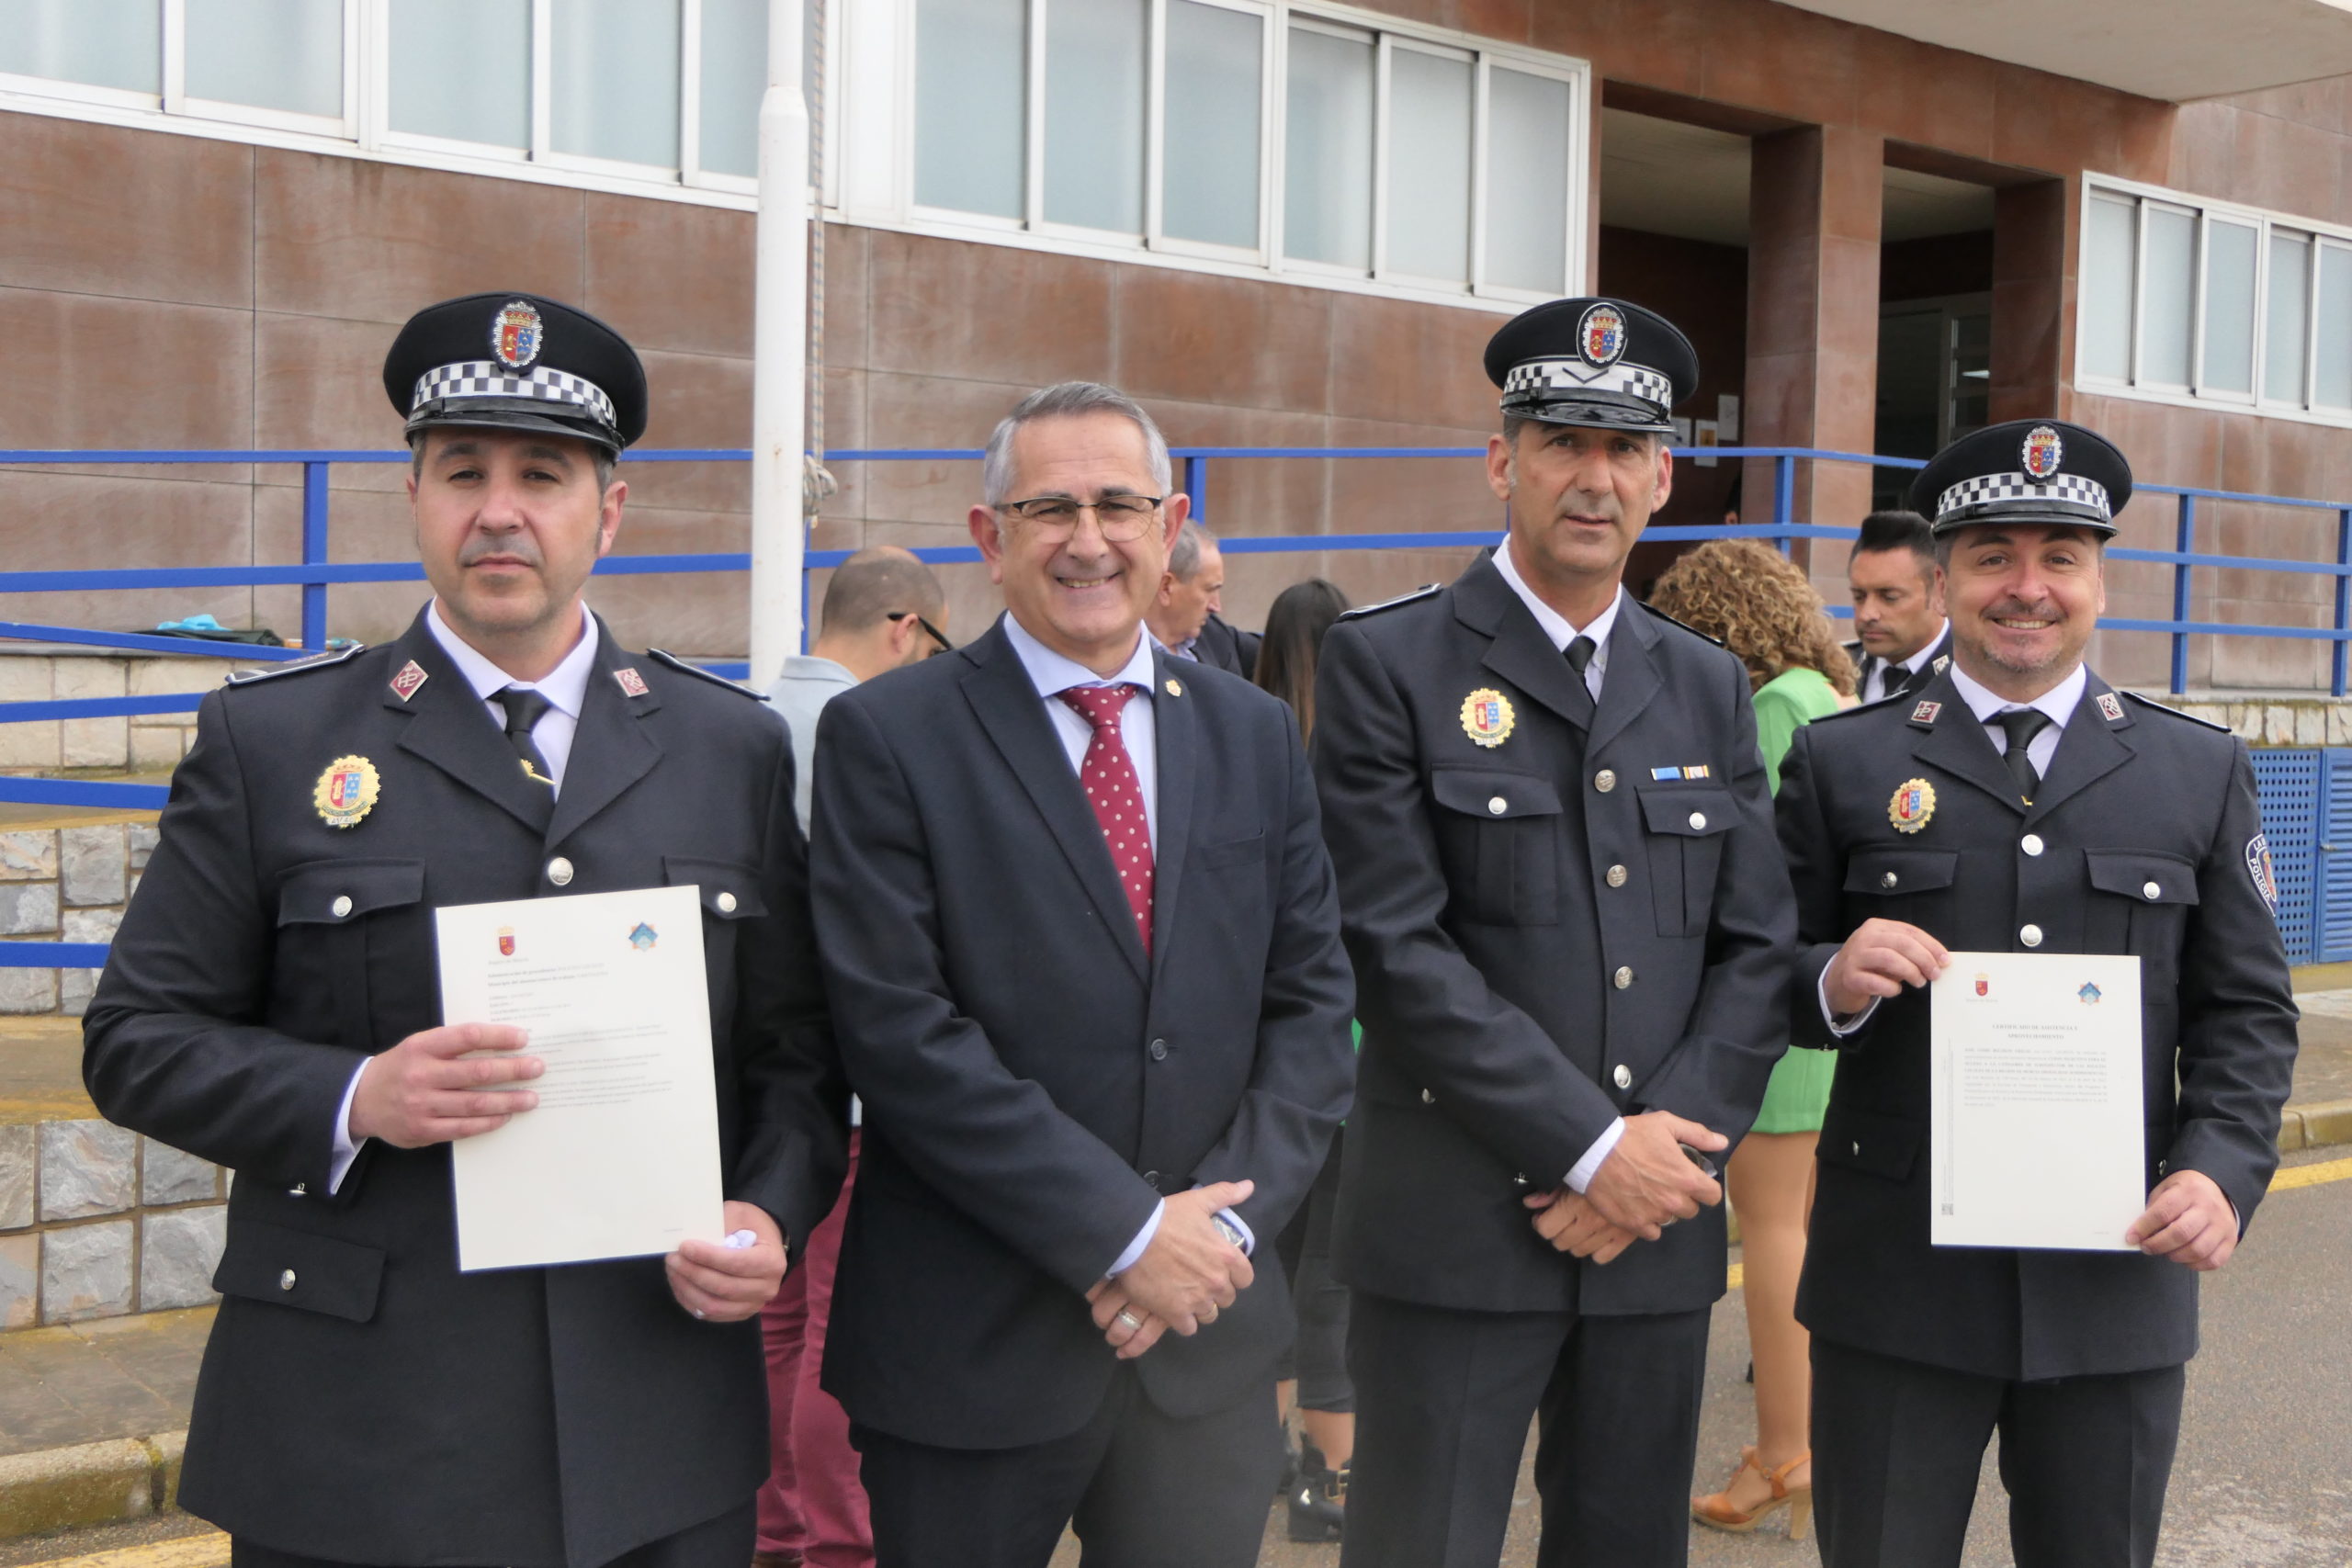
x=119, y=1377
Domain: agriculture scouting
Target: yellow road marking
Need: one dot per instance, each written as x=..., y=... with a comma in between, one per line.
x=2311, y=1175
x=209, y=1550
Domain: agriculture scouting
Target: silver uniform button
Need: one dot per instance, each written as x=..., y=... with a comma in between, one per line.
x=1605, y=780
x=1888, y=879
x=1622, y=1076
x=1698, y=821
x=2153, y=891
x=341, y=905
x=300, y=1189
x=2030, y=843
x=560, y=872
x=1616, y=877
x=285, y=1281
x=726, y=902
x=1624, y=976
x=1428, y=1099
x=2030, y=936
x=1498, y=806
x=1857, y=1147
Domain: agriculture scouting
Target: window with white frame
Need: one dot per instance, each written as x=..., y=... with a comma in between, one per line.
x=660, y=92
x=2189, y=299
x=1309, y=141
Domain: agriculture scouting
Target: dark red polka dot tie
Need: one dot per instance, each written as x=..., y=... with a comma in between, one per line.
x=1109, y=777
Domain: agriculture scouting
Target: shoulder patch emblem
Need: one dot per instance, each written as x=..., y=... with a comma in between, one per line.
x=1423, y=591
x=2151, y=702
x=2258, y=866
x=699, y=673
x=294, y=666
x=632, y=684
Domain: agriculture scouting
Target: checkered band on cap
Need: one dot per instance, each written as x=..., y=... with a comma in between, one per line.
x=1573, y=375
x=488, y=378
x=1987, y=489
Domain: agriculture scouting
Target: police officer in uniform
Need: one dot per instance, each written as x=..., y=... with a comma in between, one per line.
x=2015, y=803
x=270, y=1004
x=1571, y=940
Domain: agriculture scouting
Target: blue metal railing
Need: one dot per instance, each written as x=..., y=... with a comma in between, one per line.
x=315, y=573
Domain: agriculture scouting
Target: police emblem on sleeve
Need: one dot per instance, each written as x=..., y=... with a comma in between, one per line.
x=1486, y=717
x=517, y=334
x=2044, y=451
x=1913, y=805
x=1600, y=335
x=2258, y=866
x=346, y=791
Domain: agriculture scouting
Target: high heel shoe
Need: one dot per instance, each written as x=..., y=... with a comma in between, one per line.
x=1317, y=1499
x=1717, y=1509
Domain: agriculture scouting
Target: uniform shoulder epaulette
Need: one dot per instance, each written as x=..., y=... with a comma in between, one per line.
x=2176, y=713
x=699, y=673
x=294, y=666
x=1670, y=621
x=1423, y=591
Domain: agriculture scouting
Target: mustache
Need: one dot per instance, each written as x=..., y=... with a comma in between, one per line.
x=518, y=546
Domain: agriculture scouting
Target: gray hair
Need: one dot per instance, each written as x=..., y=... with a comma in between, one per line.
x=1067, y=399
x=1184, y=556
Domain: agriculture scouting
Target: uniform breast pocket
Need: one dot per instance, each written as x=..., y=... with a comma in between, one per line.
x=339, y=920
x=2140, y=904
x=1900, y=885
x=730, y=894
x=1686, y=827
x=1499, y=838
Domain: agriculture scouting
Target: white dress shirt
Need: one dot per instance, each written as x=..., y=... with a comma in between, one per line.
x=1874, y=685
x=565, y=688
x=1557, y=629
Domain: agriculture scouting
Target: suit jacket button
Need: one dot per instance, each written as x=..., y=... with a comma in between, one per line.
x=1888, y=879
x=1151, y=1179
x=1857, y=1147
x=300, y=1189
x=341, y=905
x=1623, y=1076
x=285, y=1281
x=1159, y=1050
x=1428, y=1097
x=1624, y=976
x=1498, y=806
x=560, y=872
x=2030, y=843
x=726, y=902
x=2030, y=936
x=1616, y=877
x=1605, y=780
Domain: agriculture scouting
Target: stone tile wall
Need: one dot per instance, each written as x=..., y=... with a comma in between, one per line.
x=96, y=1221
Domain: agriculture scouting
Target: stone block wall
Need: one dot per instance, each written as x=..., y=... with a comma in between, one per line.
x=65, y=884
x=96, y=1221
x=144, y=743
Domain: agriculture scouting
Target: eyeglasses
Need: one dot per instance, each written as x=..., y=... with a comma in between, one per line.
x=1122, y=518
x=936, y=634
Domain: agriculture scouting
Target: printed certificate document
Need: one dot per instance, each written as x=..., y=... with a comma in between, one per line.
x=2036, y=1126
x=620, y=1159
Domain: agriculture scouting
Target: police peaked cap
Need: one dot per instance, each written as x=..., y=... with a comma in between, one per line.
x=1593, y=361
x=2029, y=470
x=516, y=362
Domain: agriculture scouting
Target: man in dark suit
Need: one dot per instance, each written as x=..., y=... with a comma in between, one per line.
x=1187, y=615
x=2017, y=803
x=1570, y=933
x=1081, y=941
x=270, y=1004
x=1901, y=639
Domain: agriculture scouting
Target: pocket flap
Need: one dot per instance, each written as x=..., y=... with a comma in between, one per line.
x=1237, y=851
x=1700, y=813
x=2148, y=875
x=1882, y=1146
x=1901, y=870
x=730, y=891
x=329, y=892
x=300, y=1269
x=1483, y=792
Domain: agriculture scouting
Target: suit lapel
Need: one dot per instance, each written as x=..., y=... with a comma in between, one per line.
x=1954, y=743
x=2089, y=747
x=1632, y=680
x=610, y=750
x=1174, y=734
x=1005, y=701
x=449, y=728
x=1519, y=651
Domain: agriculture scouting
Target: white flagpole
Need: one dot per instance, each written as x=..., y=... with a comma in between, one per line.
x=780, y=349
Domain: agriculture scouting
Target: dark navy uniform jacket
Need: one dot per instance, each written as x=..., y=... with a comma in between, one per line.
x=2142, y=839
x=360, y=1399
x=1547, y=933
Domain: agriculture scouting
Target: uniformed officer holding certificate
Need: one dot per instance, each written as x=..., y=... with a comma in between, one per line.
x=2016, y=804
x=271, y=1005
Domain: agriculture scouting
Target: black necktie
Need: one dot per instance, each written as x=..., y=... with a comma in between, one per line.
x=1900, y=679
x=1580, y=654
x=2021, y=725
x=524, y=709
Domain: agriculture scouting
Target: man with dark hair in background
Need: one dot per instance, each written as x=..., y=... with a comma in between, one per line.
x=1187, y=615
x=1901, y=638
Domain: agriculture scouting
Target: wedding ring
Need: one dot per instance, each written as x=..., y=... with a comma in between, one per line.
x=1134, y=1323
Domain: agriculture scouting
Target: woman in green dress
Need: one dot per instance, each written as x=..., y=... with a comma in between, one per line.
x=1763, y=608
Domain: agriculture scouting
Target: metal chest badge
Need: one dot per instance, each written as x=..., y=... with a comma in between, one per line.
x=1600, y=335
x=517, y=334
x=1913, y=805
x=1487, y=717
x=346, y=791
x=2043, y=452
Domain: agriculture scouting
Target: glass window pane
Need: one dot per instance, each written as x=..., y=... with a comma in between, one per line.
x=1428, y=166
x=2105, y=289
x=273, y=54
x=615, y=64
x=734, y=79
x=1209, y=172
x=101, y=43
x=1527, y=181
x=2331, y=353
x=2165, y=294
x=462, y=69
x=1094, y=104
x=2287, y=317
x=970, y=112
x=1327, y=187
x=2229, y=306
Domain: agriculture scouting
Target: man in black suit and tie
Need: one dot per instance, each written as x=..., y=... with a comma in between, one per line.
x=270, y=1004
x=1187, y=615
x=1570, y=928
x=1901, y=639
x=1081, y=940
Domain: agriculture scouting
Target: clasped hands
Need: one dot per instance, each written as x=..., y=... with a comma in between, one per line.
x=462, y=1080
x=1187, y=1274
x=1645, y=1184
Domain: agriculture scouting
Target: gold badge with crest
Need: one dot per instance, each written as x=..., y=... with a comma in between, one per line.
x=1487, y=717
x=346, y=791
x=1913, y=805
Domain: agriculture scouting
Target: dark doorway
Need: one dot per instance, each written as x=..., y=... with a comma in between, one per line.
x=1935, y=339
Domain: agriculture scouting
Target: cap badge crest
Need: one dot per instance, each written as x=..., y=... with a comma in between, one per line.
x=1600, y=335
x=2044, y=451
x=346, y=791
x=1914, y=804
x=1486, y=717
x=517, y=334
